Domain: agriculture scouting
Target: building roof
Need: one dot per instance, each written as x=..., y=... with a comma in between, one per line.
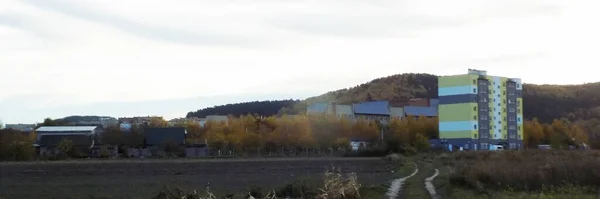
x=65, y=128
x=54, y=140
x=317, y=108
x=420, y=111
x=158, y=136
x=372, y=108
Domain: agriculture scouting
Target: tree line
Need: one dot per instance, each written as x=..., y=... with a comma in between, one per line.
x=305, y=135
x=265, y=108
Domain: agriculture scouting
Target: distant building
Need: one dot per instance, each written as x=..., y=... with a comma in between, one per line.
x=317, y=108
x=49, y=137
x=159, y=136
x=21, y=127
x=477, y=110
x=396, y=112
x=419, y=102
x=344, y=111
x=217, y=119
x=177, y=121
x=374, y=110
x=331, y=108
x=127, y=123
x=420, y=111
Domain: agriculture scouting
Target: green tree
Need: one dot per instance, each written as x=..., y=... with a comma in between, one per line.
x=15, y=146
x=65, y=146
x=421, y=142
x=49, y=122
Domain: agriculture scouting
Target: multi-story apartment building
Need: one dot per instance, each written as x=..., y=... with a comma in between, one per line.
x=477, y=111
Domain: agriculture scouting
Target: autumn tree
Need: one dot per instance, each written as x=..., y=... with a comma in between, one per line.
x=16, y=145
x=157, y=122
x=533, y=134
x=113, y=136
x=65, y=146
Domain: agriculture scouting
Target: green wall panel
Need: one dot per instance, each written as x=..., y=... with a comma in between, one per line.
x=457, y=112
x=457, y=134
x=456, y=80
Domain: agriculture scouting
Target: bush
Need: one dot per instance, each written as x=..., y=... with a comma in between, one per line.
x=394, y=158
x=15, y=146
x=338, y=186
x=530, y=170
x=171, y=192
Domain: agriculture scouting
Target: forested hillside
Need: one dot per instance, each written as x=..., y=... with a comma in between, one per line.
x=578, y=103
x=265, y=108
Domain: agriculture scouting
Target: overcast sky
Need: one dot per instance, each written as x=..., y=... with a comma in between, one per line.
x=156, y=57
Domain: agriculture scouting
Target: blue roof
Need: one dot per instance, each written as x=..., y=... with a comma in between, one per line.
x=420, y=111
x=372, y=108
x=317, y=107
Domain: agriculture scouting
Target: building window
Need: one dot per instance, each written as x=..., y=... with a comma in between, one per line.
x=518, y=119
x=474, y=82
x=475, y=135
x=475, y=126
x=474, y=90
x=499, y=104
x=475, y=117
x=498, y=87
x=474, y=108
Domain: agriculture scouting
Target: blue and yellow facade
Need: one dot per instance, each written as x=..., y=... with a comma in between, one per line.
x=477, y=111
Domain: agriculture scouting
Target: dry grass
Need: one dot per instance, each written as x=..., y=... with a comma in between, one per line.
x=338, y=186
x=175, y=192
x=530, y=171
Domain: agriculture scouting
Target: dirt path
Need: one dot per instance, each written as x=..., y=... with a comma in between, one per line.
x=396, y=185
x=429, y=185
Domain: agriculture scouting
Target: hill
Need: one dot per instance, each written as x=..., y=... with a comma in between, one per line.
x=545, y=102
x=265, y=108
x=578, y=103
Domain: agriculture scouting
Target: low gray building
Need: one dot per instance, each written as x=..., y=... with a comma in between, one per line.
x=49, y=138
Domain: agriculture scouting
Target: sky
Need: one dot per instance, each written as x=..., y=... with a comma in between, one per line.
x=155, y=57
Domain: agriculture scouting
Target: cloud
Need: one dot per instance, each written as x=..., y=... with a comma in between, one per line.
x=393, y=19
x=77, y=55
x=18, y=112
x=144, y=30
x=27, y=24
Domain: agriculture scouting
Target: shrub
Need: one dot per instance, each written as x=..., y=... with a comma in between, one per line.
x=531, y=170
x=171, y=192
x=15, y=146
x=338, y=186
